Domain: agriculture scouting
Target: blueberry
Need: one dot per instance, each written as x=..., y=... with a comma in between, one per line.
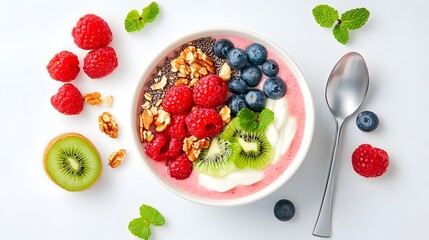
x=236, y=103
x=222, y=47
x=256, y=99
x=274, y=88
x=284, y=210
x=252, y=75
x=256, y=53
x=237, y=85
x=270, y=68
x=367, y=121
x=236, y=58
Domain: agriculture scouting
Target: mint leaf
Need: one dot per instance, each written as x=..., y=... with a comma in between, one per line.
x=247, y=119
x=355, y=18
x=265, y=118
x=140, y=227
x=133, y=22
x=151, y=215
x=325, y=15
x=341, y=33
x=150, y=12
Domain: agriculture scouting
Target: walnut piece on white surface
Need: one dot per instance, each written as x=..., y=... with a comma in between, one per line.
x=93, y=99
x=108, y=101
x=116, y=158
x=108, y=125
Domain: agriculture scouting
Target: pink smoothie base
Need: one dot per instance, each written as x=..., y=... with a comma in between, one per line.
x=296, y=107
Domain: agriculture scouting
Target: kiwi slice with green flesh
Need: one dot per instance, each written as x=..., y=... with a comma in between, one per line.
x=72, y=162
x=215, y=160
x=231, y=131
x=252, y=150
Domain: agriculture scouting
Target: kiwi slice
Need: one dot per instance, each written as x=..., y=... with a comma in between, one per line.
x=216, y=159
x=72, y=162
x=252, y=149
x=231, y=131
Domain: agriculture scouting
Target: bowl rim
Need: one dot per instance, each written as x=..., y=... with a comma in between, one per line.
x=305, y=90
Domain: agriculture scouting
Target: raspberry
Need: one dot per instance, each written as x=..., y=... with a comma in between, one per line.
x=204, y=122
x=369, y=161
x=162, y=148
x=178, y=100
x=210, y=91
x=100, y=63
x=64, y=66
x=175, y=148
x=91, y=32
x=68, y=100
x=177, y=127
x=158, y=147
x=180, y=168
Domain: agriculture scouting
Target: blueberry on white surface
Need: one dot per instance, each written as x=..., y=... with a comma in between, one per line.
x=270, y=68
x=284, y=210
x=274, y=88
x=252, y=75
x=236, y=103
x=367, y=121
x=222, y=47
x=256, y=53
x=255, y=99
x=236, y=58
x=237, y=85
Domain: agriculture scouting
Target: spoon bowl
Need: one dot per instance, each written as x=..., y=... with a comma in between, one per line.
x=347, y=85
x=346, y=90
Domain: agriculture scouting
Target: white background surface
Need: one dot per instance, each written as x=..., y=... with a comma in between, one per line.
x=394, y=43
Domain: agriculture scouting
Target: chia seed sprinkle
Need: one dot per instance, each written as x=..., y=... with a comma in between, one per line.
x=205, y=44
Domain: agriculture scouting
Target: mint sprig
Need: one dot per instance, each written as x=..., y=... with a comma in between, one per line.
x=265, y=118
x=250, y=121
x=247, y=119
x=140, y=227
x=327, y=16
x=136, y=21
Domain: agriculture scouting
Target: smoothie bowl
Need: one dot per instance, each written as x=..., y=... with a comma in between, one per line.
x=222, y=117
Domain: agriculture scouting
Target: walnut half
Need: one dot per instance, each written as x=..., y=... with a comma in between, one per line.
x=192, y=146
x=116, y=158
x=108, y=125
x=93, y=99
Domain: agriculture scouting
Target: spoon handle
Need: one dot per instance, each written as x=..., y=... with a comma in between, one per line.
x=323, y=223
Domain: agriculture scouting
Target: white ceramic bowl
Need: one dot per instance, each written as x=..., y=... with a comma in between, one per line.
x=307, y=133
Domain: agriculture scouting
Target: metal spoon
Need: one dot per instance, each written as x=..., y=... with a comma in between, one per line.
x=345, y=92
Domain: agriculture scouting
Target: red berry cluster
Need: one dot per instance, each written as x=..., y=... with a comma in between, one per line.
x=90, y=33
x=194, y=111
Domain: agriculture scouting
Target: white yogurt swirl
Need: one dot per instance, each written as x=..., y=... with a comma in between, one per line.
x=280, y=134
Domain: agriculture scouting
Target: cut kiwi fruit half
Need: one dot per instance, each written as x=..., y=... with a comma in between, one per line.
x=215, y=160
x=72, y=162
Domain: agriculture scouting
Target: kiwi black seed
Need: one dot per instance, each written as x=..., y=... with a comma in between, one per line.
x=215, y=160
x=252, y=150
x=72, y=162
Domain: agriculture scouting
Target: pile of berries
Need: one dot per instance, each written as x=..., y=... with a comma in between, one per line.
x=193, y=112
x=252, y=64
x=90, y=33
x=369, y=161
